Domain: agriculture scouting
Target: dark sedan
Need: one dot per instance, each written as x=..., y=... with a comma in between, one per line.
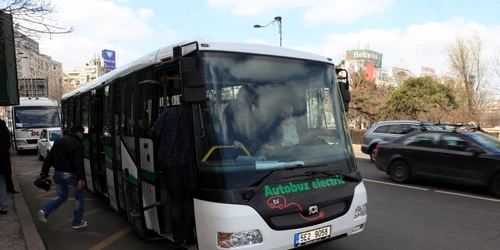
x=471, y=158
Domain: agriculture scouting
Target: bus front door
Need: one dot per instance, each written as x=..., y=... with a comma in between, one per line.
x=96, y=133
x=147, y=110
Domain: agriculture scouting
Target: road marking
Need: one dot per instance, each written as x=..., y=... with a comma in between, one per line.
x=363, y=156
x=469, y=196
x=394, y=184
x=47, y=193
x=103, y=244
x=37, y=172
x=71, y=220
x=69, y=199
x=436, y=191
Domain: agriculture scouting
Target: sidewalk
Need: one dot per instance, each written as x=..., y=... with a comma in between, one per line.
x=17, y=228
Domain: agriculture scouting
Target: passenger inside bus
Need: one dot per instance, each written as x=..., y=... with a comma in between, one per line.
x=239, y=121
x=170, y=132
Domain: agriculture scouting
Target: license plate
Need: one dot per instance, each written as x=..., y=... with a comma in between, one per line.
x=312, y=236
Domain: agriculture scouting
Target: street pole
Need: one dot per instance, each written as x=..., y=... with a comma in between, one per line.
x=276, y=20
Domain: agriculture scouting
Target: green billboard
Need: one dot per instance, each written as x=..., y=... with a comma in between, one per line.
x=9, y=92
x=365, y=55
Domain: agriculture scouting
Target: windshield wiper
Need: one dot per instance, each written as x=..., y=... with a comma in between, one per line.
x=353, y=176
x=266, y=179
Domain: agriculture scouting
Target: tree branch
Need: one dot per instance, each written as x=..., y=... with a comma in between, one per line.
x=31, y=17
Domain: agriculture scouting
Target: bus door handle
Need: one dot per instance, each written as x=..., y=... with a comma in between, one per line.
x=201, y=122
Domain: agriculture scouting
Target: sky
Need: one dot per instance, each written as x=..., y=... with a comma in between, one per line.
x=409, y=34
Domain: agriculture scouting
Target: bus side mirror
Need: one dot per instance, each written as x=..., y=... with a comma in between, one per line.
x=344, y=87
x=192, y=80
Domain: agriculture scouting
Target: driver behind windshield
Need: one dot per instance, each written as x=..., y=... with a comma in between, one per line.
x=285, y=133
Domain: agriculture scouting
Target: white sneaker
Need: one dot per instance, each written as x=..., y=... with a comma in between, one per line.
x=41, y=216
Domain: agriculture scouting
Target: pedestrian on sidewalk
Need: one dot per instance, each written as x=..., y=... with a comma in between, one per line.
x=10, y=184
x=5, y=167
x=66, y=156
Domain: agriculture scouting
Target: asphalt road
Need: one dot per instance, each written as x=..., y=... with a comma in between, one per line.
x=422, y=215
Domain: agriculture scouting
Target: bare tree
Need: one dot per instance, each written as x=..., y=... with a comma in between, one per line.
x=496, y=63
x=466, y=59
x=32, y=17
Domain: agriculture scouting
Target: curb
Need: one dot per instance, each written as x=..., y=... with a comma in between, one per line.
x=30, y=232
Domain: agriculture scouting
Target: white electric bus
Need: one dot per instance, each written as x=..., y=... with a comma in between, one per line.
x=297, y=195
x=29, y=118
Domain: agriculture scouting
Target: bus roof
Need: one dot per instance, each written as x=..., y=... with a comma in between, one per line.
x=157, y=55
x=35, y=101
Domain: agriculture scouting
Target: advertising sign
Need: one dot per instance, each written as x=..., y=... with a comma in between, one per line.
x=428, y=70
x=365, y=55
x=109, y=59
x=9, y=92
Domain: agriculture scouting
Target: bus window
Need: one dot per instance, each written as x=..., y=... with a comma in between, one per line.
x=127, y=129
x=85, y=123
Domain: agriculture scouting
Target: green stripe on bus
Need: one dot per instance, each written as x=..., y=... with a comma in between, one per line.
x=129, y=178
x=145, y=174
x=148, y=175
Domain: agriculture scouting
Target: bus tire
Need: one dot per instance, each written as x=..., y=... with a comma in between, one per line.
x=400, y=172
x=495, y=184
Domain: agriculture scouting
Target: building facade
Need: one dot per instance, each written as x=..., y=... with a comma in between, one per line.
x=82, y=75
x=31, y=64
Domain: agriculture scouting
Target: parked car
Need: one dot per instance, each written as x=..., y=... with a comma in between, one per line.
x=471, y=158
x=389, y=130
x=46, y=141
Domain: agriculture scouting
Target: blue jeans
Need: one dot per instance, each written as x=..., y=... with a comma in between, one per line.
x=64, y=181
x=133, y=196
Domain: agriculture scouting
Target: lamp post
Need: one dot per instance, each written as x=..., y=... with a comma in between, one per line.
x=276, y=20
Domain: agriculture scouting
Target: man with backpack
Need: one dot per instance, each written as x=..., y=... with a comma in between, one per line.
x=66, y=156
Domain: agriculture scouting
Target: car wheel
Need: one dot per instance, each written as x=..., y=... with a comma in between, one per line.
x=373, y=153
x=495, y=185
x=400, y=172
x=40, y=157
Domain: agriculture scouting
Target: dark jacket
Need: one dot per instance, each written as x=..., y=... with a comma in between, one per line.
x=170, y=134
x=66, y=156
x=5, y=144
x=233, y=113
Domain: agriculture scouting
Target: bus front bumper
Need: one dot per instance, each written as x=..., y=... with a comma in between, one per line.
x=212, y=218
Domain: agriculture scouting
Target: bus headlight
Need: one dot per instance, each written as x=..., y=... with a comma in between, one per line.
x=243, y=238
x=21, y=142
x=360, y=211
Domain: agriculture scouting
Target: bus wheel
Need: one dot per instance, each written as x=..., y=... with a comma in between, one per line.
x=495, y=185
x=400, y=172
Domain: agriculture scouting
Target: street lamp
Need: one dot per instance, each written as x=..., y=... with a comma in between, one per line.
x=276, y=20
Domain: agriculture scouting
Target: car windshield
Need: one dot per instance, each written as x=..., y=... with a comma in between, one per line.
x=284, y=113
x=37, y=117
x=489, y=142
x=54, y=135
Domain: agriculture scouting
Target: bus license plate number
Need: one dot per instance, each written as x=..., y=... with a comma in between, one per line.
x=312, y=236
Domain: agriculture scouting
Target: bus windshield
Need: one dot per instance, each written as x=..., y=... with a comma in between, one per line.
x=36, y=117
x=279, y=113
